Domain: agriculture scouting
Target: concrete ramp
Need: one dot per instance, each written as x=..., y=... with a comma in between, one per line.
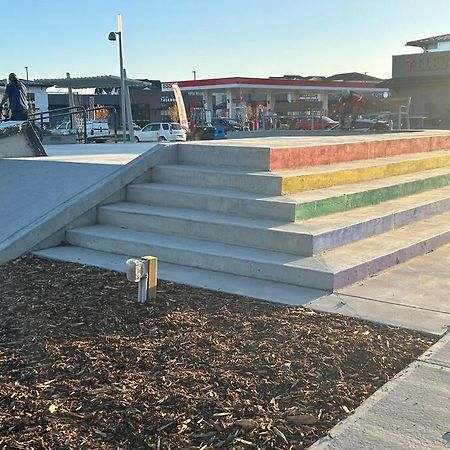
x=18, y=140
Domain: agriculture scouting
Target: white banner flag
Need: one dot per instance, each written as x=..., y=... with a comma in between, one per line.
x=180, y=103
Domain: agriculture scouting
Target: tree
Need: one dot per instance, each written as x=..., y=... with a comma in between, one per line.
x=101, y=114
x=173, y=113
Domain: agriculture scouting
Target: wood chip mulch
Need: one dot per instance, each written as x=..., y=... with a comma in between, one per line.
x=84, y=366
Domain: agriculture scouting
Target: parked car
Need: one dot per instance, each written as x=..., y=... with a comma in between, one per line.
x=203, y=132
x=320, y=123
x=226, y=123
x=162, y=132
x=372, y=124
x=63, y=129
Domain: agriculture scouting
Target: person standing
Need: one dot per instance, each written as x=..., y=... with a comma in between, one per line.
x=350, y=103
x=16, y=95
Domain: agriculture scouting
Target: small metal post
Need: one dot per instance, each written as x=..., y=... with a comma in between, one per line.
x=144, y=272
x=143, y=286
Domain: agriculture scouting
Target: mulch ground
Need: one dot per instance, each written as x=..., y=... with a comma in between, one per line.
x=84, y=366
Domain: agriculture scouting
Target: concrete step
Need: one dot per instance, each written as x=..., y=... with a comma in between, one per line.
x=278, y=153
x=305, y=238
x=299, y=206
x=223, y=201
x=286, y=182
x=259, y=233
x=328, y=271
x=355, y=171
x=227, y=154
x=207, y=279
x=218, y=177
x=347, y=197
x=243, y=261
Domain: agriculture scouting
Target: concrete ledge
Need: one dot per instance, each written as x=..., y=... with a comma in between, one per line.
x=18, y=139
x=43, y=228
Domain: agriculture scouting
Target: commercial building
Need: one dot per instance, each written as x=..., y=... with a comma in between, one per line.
x=425, y=78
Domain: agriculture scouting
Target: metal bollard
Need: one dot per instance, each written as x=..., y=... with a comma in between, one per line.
x=144, y=272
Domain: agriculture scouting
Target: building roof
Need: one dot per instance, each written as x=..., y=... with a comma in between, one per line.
x=274, y=83
x=298, y=77
x=4, y=82
x=353, y=76
x=102, y=81
x=428, y=41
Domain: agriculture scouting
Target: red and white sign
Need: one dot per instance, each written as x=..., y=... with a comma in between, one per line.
x=180, y=103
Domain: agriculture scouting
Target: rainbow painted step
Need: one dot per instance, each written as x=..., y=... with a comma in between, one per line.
x=307, y=237
x=298, y=206
x=296, y=152
x=291, y=181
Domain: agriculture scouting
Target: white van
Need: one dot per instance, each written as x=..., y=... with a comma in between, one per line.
x=96, y=130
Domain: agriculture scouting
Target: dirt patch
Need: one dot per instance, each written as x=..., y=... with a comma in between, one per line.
x=84, y=366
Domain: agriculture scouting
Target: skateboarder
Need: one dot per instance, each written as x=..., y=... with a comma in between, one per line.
x=16, y=95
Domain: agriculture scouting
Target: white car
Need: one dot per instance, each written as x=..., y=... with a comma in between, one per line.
x=63, y=129
x=162, y=132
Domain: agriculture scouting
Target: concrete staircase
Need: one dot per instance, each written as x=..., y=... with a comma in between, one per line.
x=233, y=209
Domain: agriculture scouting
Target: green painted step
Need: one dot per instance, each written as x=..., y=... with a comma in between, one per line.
x=350, y=197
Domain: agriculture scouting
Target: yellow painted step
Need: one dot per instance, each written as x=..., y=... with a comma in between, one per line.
x=340, y=174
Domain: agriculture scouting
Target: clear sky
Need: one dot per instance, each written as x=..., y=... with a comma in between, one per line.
x=168, y=39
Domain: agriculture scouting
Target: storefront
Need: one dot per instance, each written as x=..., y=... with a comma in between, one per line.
x=425, y=77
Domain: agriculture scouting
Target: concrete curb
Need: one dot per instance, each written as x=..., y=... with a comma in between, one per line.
x=345, y=426
x=47, y=225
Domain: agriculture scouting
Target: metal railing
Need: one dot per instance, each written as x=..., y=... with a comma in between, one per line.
x=61, y=112
x=72, y=111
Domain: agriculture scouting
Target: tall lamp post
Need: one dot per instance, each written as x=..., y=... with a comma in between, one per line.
x=113, y=36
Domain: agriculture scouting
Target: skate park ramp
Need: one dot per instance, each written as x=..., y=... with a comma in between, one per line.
x=18, y=140
x=42, y=194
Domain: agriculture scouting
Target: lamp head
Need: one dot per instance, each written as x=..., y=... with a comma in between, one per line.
x=112, y=36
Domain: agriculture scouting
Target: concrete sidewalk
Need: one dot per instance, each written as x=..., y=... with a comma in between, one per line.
x=413, y=295
x=410, y=412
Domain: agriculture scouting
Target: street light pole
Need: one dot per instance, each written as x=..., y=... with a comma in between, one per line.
x=122, y=90
x=112, y=37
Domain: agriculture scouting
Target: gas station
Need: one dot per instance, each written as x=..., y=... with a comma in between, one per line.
x=254, y=100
